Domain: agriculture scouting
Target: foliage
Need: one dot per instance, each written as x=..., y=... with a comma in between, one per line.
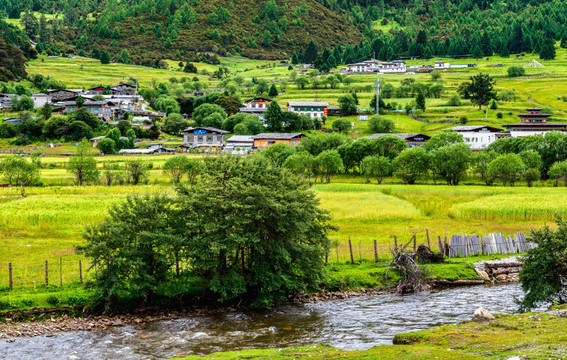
x=532, y=175
x=180, y=165
x=347, y=103
x=558, y=171
x=327, y=164
x=378, y=124
x=342, y=125
x=377, y=167
x=279, y=152
x=508, y=168
x=174, y=124
x=319, y=142
x=17, y=171
x=274, y=116
x=301, y=163
x=136, y=171
x=411, y=164
x=205, y=110
x=452, y=162
x=515, y=71
x=443, y=138
x=545, y=267
x=83, y=165
x=481, y=89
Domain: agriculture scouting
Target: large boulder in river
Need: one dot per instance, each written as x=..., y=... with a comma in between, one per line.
x=482, y=314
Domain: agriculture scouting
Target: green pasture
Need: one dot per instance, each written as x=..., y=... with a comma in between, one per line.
x=48, y=222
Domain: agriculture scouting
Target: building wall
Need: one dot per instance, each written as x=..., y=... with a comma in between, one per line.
x=204, y=140
x=264, y=143
x=478, y=140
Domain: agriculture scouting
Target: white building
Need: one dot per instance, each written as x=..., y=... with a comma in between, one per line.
x=39, y=100
x=395, y=66
x=239, y=144
x=441, y=65
x=313, y=109
x=478, y=137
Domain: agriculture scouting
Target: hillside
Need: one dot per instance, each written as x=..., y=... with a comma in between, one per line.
x=255, y=29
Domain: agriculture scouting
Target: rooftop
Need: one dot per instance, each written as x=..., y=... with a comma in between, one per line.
x=475, y=128
x=401, y=136
x=241, y=138
x=306, y=103
x=211, y=129
x=277, y=136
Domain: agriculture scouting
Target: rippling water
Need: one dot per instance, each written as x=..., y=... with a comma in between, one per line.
x=357, y=323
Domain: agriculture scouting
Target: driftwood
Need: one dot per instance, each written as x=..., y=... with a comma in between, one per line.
x=444, y=282
x=414, y=277
x=426, y=256
x=502, y=265
x=509, y=270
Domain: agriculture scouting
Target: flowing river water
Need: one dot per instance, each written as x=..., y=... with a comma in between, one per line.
x=356, y=323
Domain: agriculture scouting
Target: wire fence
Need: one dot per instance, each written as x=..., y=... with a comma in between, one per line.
x=66, y=270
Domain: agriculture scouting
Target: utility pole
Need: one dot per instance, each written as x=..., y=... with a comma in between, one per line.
x=377, y=94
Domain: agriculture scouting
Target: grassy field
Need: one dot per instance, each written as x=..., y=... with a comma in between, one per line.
x=48, y=223
x=543, y=87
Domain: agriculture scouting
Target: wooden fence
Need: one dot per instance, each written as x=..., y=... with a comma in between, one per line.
x=494, y=243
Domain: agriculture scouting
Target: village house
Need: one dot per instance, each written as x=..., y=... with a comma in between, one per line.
x=239, y=144
x=395, y=66
x=39, y=100
x=412, y=140
x=97, y=90
x=102, y=109
x=478, y=137
x=313, y=109
x=203, y=138
x=262, y=141
x=123, y=89
x=256, y=106
x=533, y=123
x=6, y=101
x=441, y=65
x=56, y=95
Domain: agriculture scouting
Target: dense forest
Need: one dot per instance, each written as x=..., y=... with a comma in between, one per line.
x=145, y=31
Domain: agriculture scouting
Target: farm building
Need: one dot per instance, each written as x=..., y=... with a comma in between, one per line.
x=441, y=65
x=313, y=109
x=101, y=109
x=262, y=141
x=478, y=137
x=123, y=89
x=203, y=138
x=56, y=95
x=411, y=139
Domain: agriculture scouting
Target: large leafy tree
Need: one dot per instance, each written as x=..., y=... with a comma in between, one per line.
x=254, y=231
x=17, y=170
x=411, y=164
x=508, y=168
x=452, y=162
x=545, y=267
x=248, y=229
x=481, y=90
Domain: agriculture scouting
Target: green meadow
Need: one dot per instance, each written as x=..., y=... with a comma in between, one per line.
x=49, y=221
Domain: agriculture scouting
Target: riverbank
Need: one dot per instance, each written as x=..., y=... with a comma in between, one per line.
x=344, y=281
x=525, y=336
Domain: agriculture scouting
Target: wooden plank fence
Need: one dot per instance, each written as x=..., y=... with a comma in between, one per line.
x=494, y=243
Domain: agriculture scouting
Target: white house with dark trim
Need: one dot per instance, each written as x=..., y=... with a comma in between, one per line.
x=313, y=109
x=203, y=138
x=478, y=137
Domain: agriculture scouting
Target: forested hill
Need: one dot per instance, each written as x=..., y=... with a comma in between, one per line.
x=144, y=31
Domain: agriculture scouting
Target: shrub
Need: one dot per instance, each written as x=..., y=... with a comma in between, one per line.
x=463, y=120
x=52, y=300
x=107, y=146
x=455, y=100
x=499, y=115
x=378, y=124
x=515, y=71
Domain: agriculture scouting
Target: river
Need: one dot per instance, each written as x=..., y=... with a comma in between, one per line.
x=356, y=323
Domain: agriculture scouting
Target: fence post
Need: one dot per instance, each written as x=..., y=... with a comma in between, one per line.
x=395, y=243
x=46, y=272
x=80, y=272
x=10, y=275
x=375, y=251
x=428, y=243
x=414, y=242
x=60, y=271
x=440, y=246
x=350, y=248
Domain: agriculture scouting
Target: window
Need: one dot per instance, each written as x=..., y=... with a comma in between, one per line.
x=271, y=142
x=312, y=109
x=199, y=138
